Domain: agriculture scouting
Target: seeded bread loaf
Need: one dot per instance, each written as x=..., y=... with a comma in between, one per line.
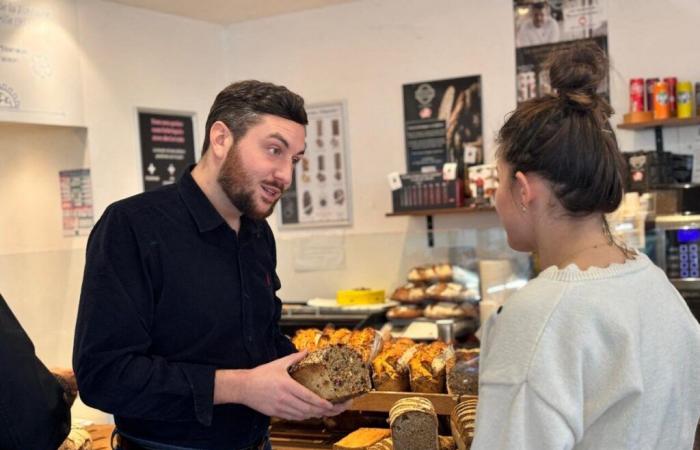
x=362, y=438
x=390, y=367
x=463, y=372
x=427, y=367
x=462, y=422
x=336, y=373
x=414, y=424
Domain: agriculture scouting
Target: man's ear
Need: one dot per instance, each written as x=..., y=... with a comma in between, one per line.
x=524, y=191
x=220, y=140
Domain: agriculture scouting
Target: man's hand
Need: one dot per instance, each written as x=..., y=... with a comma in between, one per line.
x=270, y=390
x=66, y=378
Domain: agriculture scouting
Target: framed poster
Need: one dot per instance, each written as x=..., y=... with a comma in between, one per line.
x=443, y=124
x=320, y=191
x=76, y=202
x=543, y=26
x=167, y=147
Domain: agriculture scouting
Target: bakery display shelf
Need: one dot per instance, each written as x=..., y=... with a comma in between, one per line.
x=658, y=126
x=433, y=212
x=673, y=122
x=429, y=213
x=382, y=401
x=295, y=439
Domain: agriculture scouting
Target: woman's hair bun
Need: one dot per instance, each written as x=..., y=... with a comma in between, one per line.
x=577, y=68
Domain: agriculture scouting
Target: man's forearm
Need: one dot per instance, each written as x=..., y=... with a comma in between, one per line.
x=230, y=385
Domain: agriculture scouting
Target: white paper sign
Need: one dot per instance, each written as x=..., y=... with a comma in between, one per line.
x=40, y=78
x=394, y=181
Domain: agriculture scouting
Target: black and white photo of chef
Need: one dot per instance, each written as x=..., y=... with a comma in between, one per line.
x=551, y=21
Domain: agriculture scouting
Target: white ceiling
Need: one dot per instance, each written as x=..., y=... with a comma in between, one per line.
x=226, y=12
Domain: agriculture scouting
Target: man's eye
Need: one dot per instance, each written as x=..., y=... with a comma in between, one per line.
x=274, y=150
x=295, y=160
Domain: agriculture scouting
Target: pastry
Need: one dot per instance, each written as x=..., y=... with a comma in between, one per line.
x=306, y=339
x=409, y=293
x=404, y=312
x=368, y=342
x=445, y=310
x=443, y=272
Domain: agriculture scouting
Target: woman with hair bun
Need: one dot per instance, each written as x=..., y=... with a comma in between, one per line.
x=599, y=351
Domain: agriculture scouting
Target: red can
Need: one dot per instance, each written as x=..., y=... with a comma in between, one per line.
x=650, y=82
x=636, y=95
x=672, y=82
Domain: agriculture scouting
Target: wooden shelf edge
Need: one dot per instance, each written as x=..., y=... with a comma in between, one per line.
x=674, y=122
x=436, y=212
x=382, y=401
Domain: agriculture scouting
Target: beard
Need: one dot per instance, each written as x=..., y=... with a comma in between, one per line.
x=240, y=188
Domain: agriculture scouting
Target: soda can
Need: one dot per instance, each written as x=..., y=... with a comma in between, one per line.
x=672, y=82
x=636, y=95
x=662, y=109
x=684, y=98
x=650, y=82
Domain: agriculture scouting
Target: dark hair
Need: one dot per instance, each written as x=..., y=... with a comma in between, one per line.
x=566, y=138
x=241, y=104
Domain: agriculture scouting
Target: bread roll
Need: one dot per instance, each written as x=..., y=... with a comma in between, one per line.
x=368, y=342
x=336, y=373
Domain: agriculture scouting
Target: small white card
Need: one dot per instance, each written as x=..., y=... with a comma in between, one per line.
x=394, y=181
x=470, y=153
x=449, y=171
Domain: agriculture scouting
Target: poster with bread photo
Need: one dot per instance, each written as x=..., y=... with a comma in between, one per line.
x=443, y=123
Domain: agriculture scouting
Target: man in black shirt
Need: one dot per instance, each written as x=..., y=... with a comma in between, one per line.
x=177, y=332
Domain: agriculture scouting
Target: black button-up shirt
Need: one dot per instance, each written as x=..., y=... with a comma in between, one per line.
x=170, y=294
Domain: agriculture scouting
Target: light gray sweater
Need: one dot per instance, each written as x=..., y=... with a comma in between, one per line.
x=601, y=359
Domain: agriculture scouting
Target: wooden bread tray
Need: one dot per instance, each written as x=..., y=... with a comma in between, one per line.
x=382, y=401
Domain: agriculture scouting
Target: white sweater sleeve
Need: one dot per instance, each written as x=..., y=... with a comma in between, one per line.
x=514, y=416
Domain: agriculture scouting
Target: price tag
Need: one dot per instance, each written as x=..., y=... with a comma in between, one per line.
x=394, y=181
x=449, y=171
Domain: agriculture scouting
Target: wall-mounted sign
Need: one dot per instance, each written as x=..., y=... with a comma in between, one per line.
x=320, y=190
x=76, y=202
x=167, y=147
x=443, y=124
x=542, y=27
x=40, y=78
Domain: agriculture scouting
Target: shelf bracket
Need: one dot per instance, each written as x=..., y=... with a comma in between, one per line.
x=659, y=135
x=429, y=226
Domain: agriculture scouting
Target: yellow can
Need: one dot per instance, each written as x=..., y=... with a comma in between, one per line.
x=684, y=96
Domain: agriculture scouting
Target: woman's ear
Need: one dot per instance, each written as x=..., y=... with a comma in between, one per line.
x=523, y=190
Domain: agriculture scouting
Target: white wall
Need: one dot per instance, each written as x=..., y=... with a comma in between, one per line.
x=363, y=52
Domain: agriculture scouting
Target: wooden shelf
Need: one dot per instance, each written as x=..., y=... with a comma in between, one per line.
x=381, y=401
x=675, y=122
x=436, y=212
